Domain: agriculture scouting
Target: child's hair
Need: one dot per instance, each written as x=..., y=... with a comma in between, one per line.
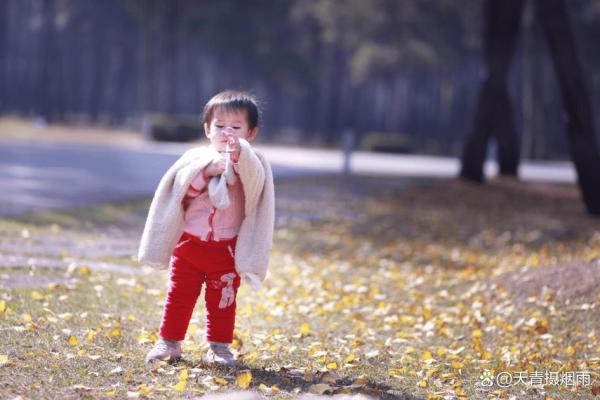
x=233, y=100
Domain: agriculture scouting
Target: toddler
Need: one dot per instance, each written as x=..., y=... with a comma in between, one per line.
x=211, y=221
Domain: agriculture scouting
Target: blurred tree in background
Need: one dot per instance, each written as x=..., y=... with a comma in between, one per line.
x=409, y=68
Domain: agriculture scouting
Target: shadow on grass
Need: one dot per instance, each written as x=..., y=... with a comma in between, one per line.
x=296, y=382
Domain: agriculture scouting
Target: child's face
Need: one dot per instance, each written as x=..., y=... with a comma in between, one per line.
x=225, y=123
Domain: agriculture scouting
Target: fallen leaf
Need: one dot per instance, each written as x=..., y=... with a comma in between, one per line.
x=244, y=379
x=304, y=329
x=35, y=295
x=3, y=360
x=115, y=332
x=319, y=388
x=73, y=341
x=82, y=387
x=372, y=354
x=332, y=366
x=180, y=386
x=221, y=381
x=457, y=365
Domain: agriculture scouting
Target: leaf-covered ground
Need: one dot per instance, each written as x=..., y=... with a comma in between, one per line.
x=393, y=288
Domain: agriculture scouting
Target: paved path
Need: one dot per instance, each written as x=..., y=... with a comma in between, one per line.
x=45, y=176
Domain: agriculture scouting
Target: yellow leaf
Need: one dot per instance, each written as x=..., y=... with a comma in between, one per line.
x=427, y=356
x=457, y=365
x=221, y=381
x=440, y=351
x=570, y=350
x=304, y=329
x=2, y=306
x=73, y=341
x=90, y=335
x=423, y=383
x=3, y=360
x=349, y=358
x=131, y=318
x=244, y=379
x=110, y=392
x=180, y=386
x=115, y=332
x=81, y=352
x=26, y=318
x=332, y=366
x=37, y=295
x=477, y=333
x=144, y=390
x=85, y=270
x=183, y=375
x=426, y=313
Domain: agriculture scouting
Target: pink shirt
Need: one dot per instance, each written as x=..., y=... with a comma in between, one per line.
x=205, y=221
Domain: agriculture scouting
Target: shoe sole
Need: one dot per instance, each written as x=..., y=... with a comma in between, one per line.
x=169, y=360
x=206, y=361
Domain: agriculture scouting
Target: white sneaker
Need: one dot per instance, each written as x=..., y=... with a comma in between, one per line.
x=164, y=350
x=219, y=354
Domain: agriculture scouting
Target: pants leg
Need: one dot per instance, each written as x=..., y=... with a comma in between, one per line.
x=185, y=283
x=222, y=284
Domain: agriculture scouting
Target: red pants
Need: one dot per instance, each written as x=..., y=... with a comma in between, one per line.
x=193, y=263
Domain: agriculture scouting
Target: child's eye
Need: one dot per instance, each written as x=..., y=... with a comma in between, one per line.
x=237, y=127
x=219, y=126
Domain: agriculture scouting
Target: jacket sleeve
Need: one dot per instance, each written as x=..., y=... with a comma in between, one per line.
x=197, y=185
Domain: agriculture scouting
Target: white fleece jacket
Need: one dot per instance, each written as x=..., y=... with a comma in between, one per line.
x=165, y=221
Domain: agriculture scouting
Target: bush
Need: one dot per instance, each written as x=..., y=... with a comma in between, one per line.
x=386, y=142
x=166, y=128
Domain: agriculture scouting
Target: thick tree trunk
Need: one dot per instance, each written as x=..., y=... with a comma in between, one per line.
x=532, y=73
x=580, y=126
x=494, y=115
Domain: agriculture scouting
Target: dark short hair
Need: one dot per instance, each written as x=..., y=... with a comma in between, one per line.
x=233, y=100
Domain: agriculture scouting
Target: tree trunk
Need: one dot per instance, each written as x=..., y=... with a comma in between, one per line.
x=531, y=85
x=147, y=90
x=3, y=54
x=494, y=115
x=580, y=126
x=47, y=54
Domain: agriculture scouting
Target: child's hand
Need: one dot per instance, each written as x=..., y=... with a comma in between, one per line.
x=215, y=168
x=234, y=147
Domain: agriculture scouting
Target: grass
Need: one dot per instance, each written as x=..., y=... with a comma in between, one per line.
x=392, y=288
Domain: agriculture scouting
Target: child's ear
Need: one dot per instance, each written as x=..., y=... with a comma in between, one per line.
x=206, y=129
x=252, y=133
